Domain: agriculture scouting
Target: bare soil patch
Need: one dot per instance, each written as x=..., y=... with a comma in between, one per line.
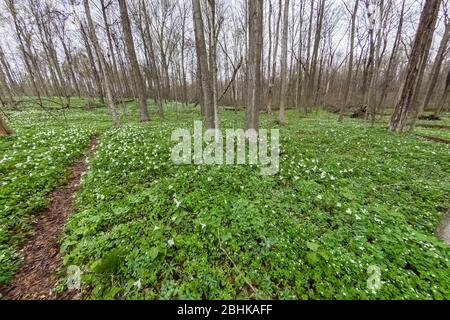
x=36, y=277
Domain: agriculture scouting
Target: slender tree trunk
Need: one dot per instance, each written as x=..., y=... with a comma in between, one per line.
x=102, y=62
x=213, y=59
x=202, y=56
x=95, y=72
x=284, y=44
x=120, y=89
x=255, y=27
x=348, y=79
x=392, y=64
x=440, y=56
x=443, y=99
x=415, y=106
x=274, y=61
x=140, y=89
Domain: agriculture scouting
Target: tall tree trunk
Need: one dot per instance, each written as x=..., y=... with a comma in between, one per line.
x=255, y=29
x=443, y=99
x=440, y=56
x=284, y=53
x=315, y=54
x=274, y=61
x=415, y=106
x=140, y=89
x=202, y=56
x=154, y=71
x=213, y=58
x=120, y=89
x=423, y=38
x=392, y=64
x=95, y=72
x=348, y=79
x=102, y=62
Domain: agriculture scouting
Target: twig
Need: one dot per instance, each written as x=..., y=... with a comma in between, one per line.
x=235, y=266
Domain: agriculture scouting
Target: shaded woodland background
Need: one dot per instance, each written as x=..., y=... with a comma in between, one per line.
x=345, y=55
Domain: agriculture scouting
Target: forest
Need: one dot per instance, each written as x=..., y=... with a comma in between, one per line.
x=224, y=150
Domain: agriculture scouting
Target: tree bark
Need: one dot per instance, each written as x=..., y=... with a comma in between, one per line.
x=440, y=56
x=202, y=57
x=274, y=61
x=284, y=44
x=255, y=27
x=422, y=40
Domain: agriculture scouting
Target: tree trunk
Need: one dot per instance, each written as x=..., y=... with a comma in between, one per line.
x=443, y=99
x=348, y=80
x=140, y=89
x=213, y=58
x=440, y=56
x=95, y=72
x=274, y=62
x=255, y=25
x=315, y=54
x=102, y=62
x=422, y=40
x=284, y=44
x=392, y=64
x=202, y=57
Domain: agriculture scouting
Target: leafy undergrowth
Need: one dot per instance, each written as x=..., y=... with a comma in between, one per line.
x=347, y=198
x=32, y=163
x=434, y=132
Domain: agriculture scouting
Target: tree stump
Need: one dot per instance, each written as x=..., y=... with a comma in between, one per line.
x=443, y=231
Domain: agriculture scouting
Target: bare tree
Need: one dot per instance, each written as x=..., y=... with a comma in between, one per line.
x=255, y=28
x=202, y=56
x=274, y=59
x=284, y=45
x=348, y=79
x=140, y=89
x=102, y=62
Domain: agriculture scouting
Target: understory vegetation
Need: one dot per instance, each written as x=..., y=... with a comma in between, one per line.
x=347, y=197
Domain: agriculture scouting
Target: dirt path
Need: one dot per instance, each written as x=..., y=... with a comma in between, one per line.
x=35, y=279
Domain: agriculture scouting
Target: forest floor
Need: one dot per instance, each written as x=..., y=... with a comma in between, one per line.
x=350, y=203
x=41, y=253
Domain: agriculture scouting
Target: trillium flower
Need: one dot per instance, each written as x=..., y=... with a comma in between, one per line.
x=203, y=226
x=171, y=242
x=319, y=196
x=138, y=284
x=349, y=211
x=338, y=205
x=177, y=203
